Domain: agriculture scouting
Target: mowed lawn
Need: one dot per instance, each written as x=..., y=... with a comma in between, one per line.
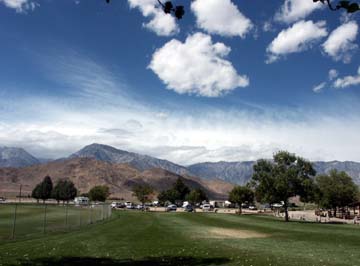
x=137, y=238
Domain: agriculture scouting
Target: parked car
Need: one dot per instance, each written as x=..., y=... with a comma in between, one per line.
x=117, y=205
x=171, y=207
x=277, y=205
x=244, y=205
x=141, y=207
x=207, y=208
x=188, y=208
x=252, y=207
x=129, y=205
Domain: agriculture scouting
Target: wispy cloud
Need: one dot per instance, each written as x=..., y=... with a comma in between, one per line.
x=318, y=88
x=97, y=108
x=348, y=81
x=21, y=6
x=210, y=135
x=82, y=76
x=333, y=73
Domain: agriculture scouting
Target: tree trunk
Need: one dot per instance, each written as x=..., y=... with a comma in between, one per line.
x=240, y=209
x=286, y=212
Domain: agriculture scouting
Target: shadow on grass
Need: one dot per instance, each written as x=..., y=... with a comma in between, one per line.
x=151, y=261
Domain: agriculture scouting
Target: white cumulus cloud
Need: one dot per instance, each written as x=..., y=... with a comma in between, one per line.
x=160, y=23
x=197, y=66
x=296, y=38
x=220, y=17
x=294, y=10
x=348, y=81
x=19, y=5
x=340, y=44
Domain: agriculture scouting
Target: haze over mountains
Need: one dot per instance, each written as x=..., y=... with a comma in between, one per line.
x=233, y=172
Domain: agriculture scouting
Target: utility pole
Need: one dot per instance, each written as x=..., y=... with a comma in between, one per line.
x=20, y=193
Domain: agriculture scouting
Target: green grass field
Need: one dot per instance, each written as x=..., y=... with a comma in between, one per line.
x=136, y=238
x=30, y=219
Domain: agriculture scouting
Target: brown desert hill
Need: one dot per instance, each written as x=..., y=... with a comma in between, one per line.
x=162, y=179
x=88, y=172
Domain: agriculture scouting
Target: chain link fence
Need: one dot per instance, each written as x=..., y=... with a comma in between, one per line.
x=23, y=220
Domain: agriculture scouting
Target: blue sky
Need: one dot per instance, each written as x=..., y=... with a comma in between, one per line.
x=233, y=80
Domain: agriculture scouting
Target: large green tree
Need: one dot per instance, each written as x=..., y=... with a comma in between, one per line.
x=169, y=195
x=240, y=195
x=36, y=193
x=43, y=190
x=99, y=193
x=181, y=188
x=336, y=190
x=143, y=193
x=64, y=190
x=284, y=177
x=178, y=191
x=197, y=196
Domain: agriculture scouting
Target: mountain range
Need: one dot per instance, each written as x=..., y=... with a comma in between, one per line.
x=141, y=162
x=241, y=172
x=16, y=157
x=88, y=172
x=98, y=162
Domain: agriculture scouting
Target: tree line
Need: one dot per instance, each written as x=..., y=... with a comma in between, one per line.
x=287, y=176
x=273, y=181
x=65, y=190
x=178, y=193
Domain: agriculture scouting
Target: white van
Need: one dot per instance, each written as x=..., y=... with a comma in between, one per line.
x=129, y=205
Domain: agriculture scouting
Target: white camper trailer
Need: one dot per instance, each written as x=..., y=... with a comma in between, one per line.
x=81, y=201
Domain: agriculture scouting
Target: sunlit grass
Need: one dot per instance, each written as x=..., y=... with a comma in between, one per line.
x=137, y=238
